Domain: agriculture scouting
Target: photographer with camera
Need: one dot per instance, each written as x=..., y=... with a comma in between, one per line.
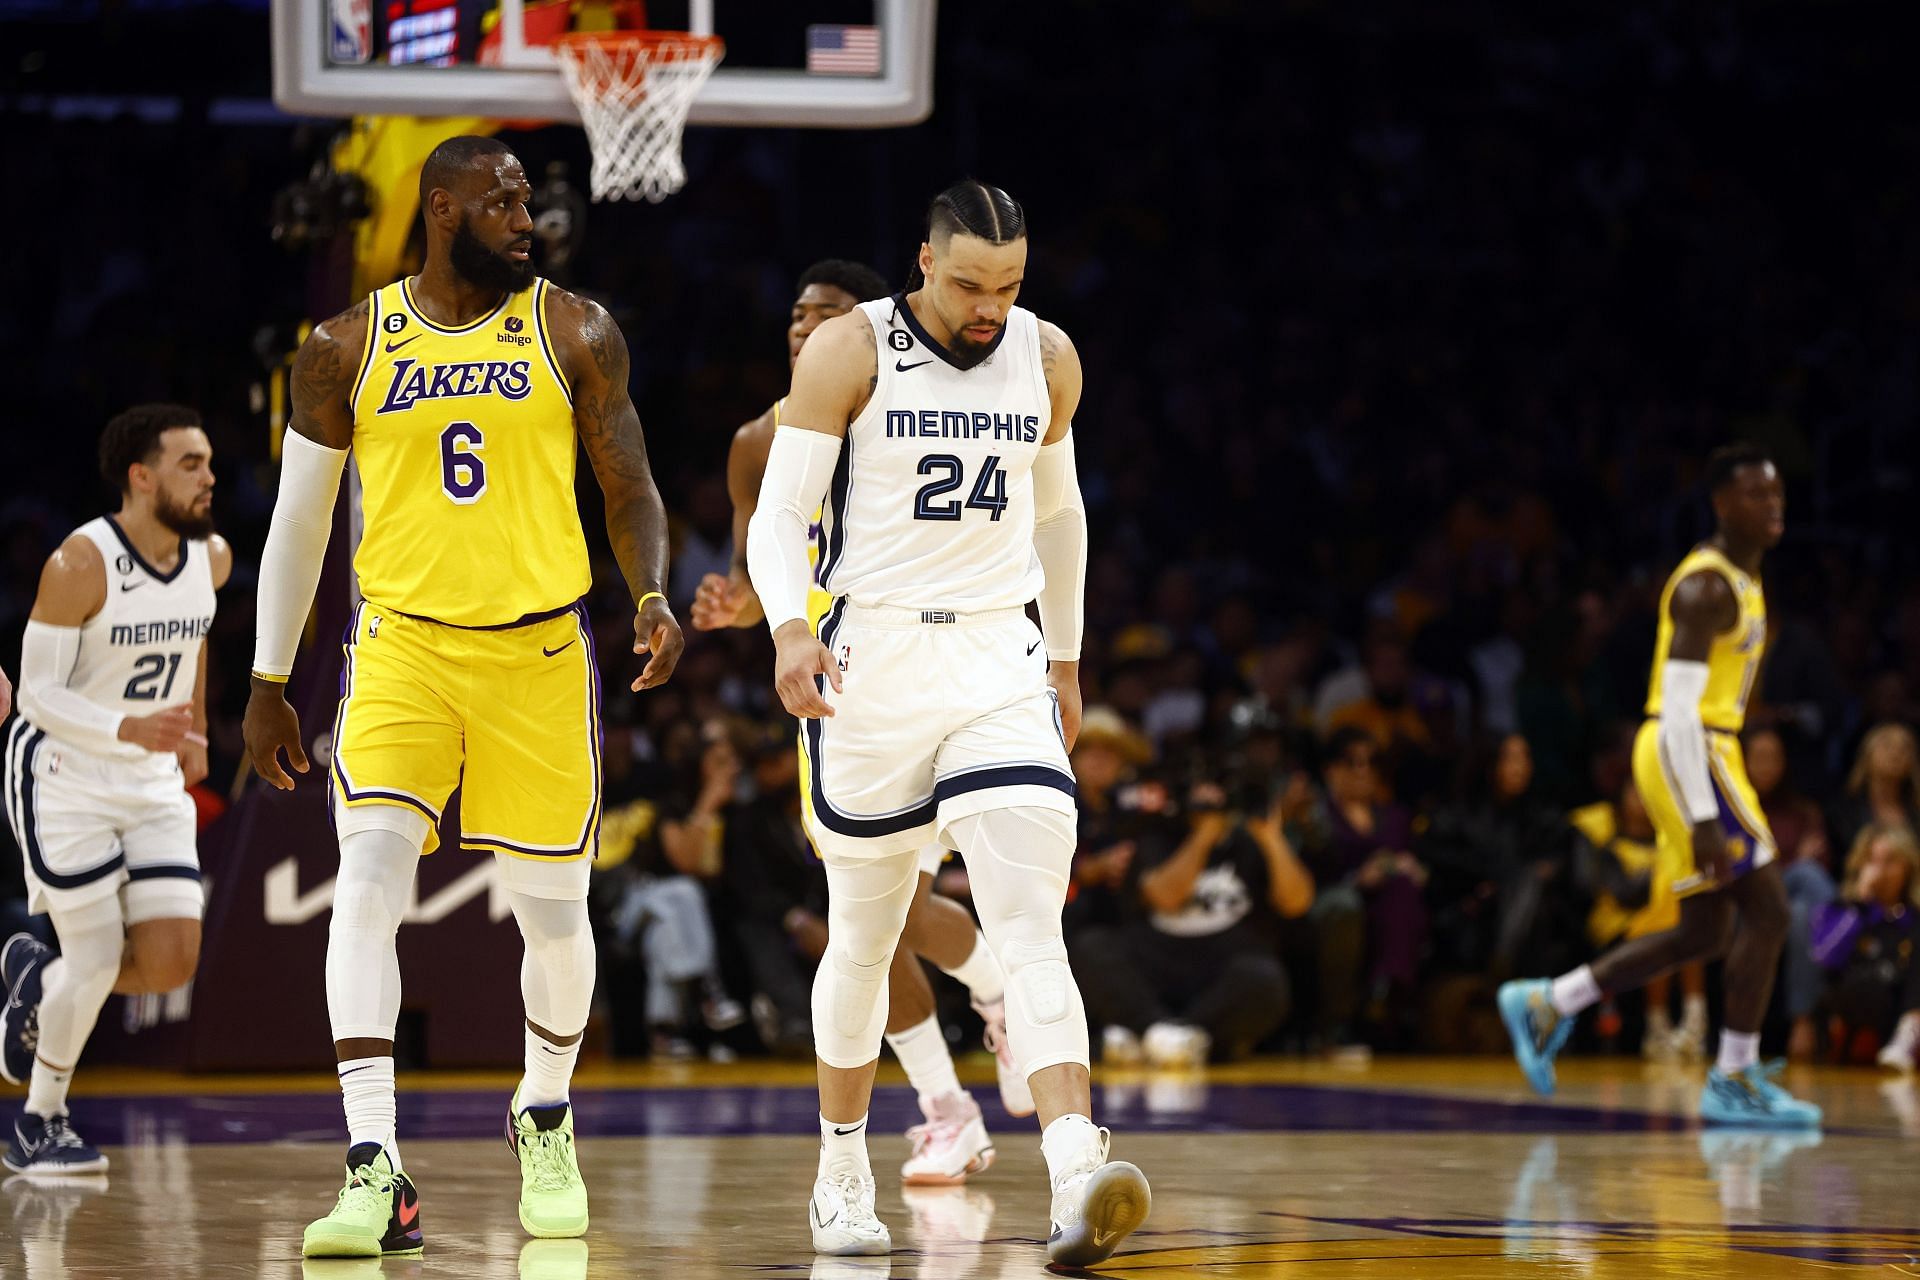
x=1195, y=972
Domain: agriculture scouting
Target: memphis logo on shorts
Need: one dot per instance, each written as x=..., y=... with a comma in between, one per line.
x=413, y=381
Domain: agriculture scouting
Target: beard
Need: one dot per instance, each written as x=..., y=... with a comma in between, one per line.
x=483, y=268
x=182, y=520
x=967, y=352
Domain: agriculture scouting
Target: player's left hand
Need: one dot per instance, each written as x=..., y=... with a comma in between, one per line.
x=192, y=755
x=655, y=632
x=6, y=695
x=1064, y=677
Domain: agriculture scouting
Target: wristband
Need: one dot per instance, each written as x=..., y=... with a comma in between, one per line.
x=641, y=603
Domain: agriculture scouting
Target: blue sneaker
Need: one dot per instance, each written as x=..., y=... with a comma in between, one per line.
x=48, y=1144
x=1752, y=1099
x=1538, y=1030
x=23, y=960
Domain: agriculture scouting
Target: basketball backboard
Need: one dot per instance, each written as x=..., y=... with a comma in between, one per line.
x=801, y=63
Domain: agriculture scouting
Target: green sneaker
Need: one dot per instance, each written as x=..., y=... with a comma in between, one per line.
x=553, y=1199
x=378, y=1212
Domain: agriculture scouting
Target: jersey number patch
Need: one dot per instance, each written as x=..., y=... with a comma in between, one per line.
x=989, y=491
x=147, y=669
x=463, y=476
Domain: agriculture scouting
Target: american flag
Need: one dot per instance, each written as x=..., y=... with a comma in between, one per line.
x=843, y=51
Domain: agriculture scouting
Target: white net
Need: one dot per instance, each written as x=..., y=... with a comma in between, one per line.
x=634, y=90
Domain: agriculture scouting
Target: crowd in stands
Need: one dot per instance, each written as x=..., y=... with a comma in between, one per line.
x=1404, y=346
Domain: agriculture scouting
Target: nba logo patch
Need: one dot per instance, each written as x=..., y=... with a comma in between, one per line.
x=373, y=626
x=846, y=656
x=352, y=31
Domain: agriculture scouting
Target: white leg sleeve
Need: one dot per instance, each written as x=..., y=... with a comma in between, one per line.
x=370, y=896
x=556, y=977
x=93, y=938
x=1017, y=863
x=867, y=903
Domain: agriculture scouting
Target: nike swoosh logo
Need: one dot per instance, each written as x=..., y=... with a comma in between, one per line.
x=27, y=1147
x=901, y=366
x=844, y=1132
x=395, y=346
x=1032, y=647
x=1100, y=1238
x=562, y=649
x=129, y=586
x=409, y=1214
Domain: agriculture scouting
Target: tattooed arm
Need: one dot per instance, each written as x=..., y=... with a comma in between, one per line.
x=593, y=354
x=312, y=455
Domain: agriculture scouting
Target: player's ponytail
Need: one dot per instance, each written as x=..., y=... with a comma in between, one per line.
x=972, y=207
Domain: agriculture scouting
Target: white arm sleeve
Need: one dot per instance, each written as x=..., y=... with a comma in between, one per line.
x=799, y=468
x=47, y=655
x=1060, y=540
x=296, y=546
x=1683, y=739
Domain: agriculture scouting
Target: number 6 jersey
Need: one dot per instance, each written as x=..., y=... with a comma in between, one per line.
x=141, y=653
x=465, y=445
x=931, y=505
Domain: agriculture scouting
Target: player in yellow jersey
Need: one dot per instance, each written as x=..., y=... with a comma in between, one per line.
x=464, y=392
x=953, y=1141
x=1713, y=845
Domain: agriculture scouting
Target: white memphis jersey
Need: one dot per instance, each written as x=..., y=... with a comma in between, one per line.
x=141, y=653
x=931, y=505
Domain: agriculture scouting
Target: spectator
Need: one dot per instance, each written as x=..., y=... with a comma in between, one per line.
x=1800, y=836
x=773, y=895
x=1502, y=891
x=663, y=912
x=1196, y=970
x=1631, y=900
x=1884, y=786
x=1354, y=838
x=1867, y=944
x=1110, y=816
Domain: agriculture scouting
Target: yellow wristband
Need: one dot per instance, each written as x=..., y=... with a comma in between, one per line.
x=261, y=675
x=641, y=603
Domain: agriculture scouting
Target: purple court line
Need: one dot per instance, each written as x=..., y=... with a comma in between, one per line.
x=730, y=1111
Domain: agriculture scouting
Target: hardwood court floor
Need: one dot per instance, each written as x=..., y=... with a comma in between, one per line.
x=1408, y=1168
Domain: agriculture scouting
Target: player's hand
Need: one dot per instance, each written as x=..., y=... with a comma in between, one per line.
x=1711, y=857
x=270, y=727
x=798, y=656
x=161, y=731
x=1064, y=677
x=192, y=754
x=655, y=632
x=719, y=602
x=6, y=695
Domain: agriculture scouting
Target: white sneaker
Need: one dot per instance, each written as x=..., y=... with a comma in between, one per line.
x=1690, y=1042
x=950, y=1145
x=842, y=1216
x=1660, y=1043
x=1095, y=1207
x=1014, y=1094
x=1119, y=1047
x=1897, y=1056
x=1175, y=1044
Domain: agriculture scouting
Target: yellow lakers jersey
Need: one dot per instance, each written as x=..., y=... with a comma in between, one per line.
x=1734, y=659
x=464, y=440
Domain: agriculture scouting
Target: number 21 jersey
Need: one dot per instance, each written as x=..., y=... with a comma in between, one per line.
x=931, y=505
x=465, y=445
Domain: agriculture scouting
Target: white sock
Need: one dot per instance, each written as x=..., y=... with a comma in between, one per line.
x=366, y=1085
x=1659, y=1020
x=922, y=1050
x=47, y=1089
x=1693, y=1011
x=842, y=1144
x=980, y=973
x=1065, y=1144
x=1738, y=1051
x=1907, y=1032
x=1575, y=991
x=549, y=1070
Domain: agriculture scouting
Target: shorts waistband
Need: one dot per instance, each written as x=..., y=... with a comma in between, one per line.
x=525, y=620
x=877, y=615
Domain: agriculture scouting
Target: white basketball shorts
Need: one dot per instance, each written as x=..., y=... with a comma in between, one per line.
x=940, y=715
x=92, y=827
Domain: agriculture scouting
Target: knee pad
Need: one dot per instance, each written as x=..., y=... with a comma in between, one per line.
x=360, y=906
x=1039, y=972
x=557, y=972
x=849, y=1007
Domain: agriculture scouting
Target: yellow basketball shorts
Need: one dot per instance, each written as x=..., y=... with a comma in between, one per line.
x=511, y=716
x=1744, y=825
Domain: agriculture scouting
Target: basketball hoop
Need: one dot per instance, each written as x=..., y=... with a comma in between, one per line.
x=633, y=90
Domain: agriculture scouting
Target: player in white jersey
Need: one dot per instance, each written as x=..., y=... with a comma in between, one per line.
x=953, y=1141
x=936, y=427
x=111, y=732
